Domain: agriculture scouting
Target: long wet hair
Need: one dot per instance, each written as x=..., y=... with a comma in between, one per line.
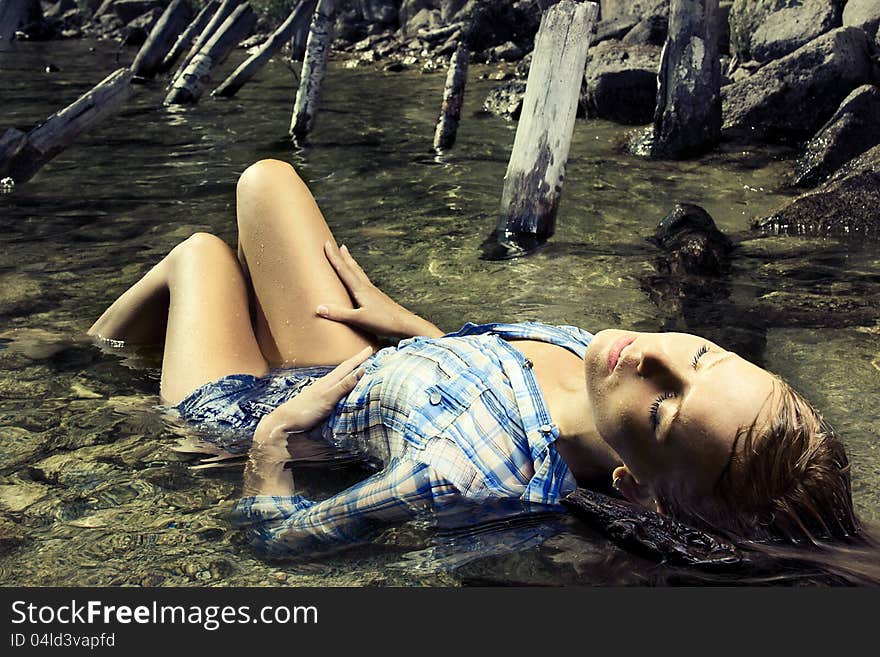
x=786, y=492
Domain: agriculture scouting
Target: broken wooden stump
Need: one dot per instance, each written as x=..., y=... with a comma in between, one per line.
x=453, y=97
x=186, y=37
x=189, y=85
x=533, y=182
x=211, y=27
x=22, y=155
x=687, y=119
x=314, y=63
x=300, y=15
x=162, y=37
x=15, y=14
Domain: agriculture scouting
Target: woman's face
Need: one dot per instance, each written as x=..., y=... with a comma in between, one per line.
x=670, y=404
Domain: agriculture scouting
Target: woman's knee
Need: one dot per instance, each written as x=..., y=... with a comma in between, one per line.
x=264, y=176
x=202, y=246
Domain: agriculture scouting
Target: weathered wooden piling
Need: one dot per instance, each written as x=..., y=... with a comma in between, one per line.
x=15, y=14
x=533, y=182
x=189, y=85
x=186, y=38
x=312, y=76
x=22, y=155
x=163, y=35
x=453, y=97
x=687, y=119
x=217, y=20
x=248, y=69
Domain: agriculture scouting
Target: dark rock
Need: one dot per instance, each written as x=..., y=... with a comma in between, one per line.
x=621, y=82
x=790, y=98
x=769, y=29
x=862, y=13
x=846, y=204
x=507, y=52
x=611, y=9
x=506, y=99
x=852, y=130
x=60, y=8
x=128, y=10
x=652, y=28
x=137, y=31
x=614, y=28
x=692, y=243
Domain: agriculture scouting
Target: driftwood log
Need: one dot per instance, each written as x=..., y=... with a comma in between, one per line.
x=186, y=37
x=687, y=119
x=162, y=37
x=15, y=14
x=314, y=63
x=533, y=182
x=189, y=85
x=217, y=20
x=453, y=97
x=248, y=69
x=22, y=155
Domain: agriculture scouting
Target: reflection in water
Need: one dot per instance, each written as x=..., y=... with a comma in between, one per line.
x=91, y=489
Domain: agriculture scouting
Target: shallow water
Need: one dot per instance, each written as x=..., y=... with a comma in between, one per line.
x=91, y=491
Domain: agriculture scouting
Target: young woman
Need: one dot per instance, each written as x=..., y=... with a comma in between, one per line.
x=525, y=411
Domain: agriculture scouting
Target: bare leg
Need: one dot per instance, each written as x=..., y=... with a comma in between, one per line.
x=281, y=235
x=197, y=299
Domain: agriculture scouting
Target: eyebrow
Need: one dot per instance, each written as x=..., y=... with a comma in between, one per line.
x=677, y=412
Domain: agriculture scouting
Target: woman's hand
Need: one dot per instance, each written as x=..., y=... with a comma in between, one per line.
x=264, y=473
x=376, y=312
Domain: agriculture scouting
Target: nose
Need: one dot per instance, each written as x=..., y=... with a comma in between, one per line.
x=657, y=364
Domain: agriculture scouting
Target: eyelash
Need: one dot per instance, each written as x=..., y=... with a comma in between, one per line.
x=702, y=351
x=655, y=406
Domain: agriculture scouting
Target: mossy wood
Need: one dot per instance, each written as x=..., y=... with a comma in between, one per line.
x=453, y=97
x=248, y=69
x=162, y=37
x=533, y=182
x=186, y=37
x=190, y=85
x=21, y=156
x=314, y=63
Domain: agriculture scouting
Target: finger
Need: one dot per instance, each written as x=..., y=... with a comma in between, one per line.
x=351, y=262
x=348, y=275
x=346, y=367
x=337, y=313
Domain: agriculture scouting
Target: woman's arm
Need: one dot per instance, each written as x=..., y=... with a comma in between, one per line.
x=376, y=312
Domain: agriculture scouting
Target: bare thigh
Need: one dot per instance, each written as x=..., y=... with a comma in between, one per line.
x=281, y=234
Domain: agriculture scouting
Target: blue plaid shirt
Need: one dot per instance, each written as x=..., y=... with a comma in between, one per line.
x=450, y=418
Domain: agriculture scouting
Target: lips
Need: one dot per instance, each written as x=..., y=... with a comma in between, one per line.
x=614, y=353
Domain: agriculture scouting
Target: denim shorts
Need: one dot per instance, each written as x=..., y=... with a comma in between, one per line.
x=232, y=407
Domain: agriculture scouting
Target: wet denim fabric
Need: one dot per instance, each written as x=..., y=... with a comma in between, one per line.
x=234, y=405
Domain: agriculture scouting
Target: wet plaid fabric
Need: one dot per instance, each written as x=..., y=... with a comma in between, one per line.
x=450, y=418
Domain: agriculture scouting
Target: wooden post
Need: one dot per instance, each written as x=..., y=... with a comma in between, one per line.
x=162, y=37
x=24, y=158
x=190, y=84
x=185, y=39
x=315, y=61
x=453, y=97
x=533, y=182
x=273, y=44
x=15, y=14
x=217, y=20
x=687, y=120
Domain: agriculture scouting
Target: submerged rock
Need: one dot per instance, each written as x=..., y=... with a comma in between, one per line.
x=20, y=494
x=769, y=29
x=621, y=82
x=846, y=204
x=692, y=243
x=790, y=98
x=506, y=99
x=852, y=130
x=20, y=295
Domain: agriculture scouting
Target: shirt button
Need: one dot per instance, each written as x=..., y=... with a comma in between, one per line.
x=527, y=364
x=435, y=398
x=545, y=428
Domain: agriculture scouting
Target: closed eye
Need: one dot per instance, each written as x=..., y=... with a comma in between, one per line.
x=702, y=351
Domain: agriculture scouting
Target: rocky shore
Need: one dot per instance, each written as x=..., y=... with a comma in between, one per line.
x=801, y=72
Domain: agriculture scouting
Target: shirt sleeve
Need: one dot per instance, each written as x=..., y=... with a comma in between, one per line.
x=290, y=524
